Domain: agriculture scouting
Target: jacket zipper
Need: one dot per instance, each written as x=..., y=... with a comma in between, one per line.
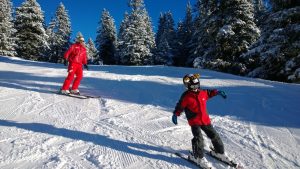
x=198, y=102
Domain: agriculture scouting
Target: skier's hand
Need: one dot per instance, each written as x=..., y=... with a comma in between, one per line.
x=174, y=119
x=222, y=93
x=86, y=67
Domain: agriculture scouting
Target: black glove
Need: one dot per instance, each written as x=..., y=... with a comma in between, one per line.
x=222, y=93
x=86, y=67
x=174, y=119
x=65, y=62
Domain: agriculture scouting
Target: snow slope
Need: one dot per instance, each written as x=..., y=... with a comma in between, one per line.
x=130, y=125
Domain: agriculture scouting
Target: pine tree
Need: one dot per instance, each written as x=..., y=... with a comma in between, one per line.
x=207, y=7
x=7, y=30
x=284, y=4
x=59, y=32
x=160, y=28
x=31, y=33
x=122, y=47
x=92, y=52
x=184, y=37
x=163, y=53
x=205, y=27
x=166, y=35
x=238, y=30
x=228, y=32
x=106, y=40
x=276, y=55
x=137, y=41
x=50, y=31
x=259, y=8
x=150, y=37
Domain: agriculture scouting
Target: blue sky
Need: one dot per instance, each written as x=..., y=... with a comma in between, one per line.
x=85, y=15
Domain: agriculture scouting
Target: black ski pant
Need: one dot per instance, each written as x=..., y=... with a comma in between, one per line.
x=198, y=143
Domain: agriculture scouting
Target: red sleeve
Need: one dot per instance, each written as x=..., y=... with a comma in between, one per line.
x=181, y=104
x=212, y=93
x=67, y=53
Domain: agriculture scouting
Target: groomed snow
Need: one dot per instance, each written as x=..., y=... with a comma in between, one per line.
x=130, y=126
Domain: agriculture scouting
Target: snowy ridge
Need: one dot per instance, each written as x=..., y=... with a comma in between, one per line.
x=130, y=125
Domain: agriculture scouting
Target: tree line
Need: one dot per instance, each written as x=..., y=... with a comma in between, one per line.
x=254, y=38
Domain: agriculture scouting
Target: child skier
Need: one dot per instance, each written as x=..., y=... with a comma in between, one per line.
x=193, y=102
x=76, y=55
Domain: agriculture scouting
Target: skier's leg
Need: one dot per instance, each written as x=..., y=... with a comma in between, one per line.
x=69, y=78
x=197, y=142
x=214, y=137
x=78, y=77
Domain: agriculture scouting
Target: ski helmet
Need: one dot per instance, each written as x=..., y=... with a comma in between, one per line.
x=191, y=81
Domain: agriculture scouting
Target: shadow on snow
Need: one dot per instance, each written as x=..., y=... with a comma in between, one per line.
x=137, y=149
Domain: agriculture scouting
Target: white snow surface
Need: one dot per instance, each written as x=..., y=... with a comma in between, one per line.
x=130, y=126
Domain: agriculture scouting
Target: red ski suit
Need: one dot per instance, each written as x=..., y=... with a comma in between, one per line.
x=77, y=56
x=194, y=105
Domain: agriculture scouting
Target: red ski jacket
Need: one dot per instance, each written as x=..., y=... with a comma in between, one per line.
x=194, y=105
x=76, y=54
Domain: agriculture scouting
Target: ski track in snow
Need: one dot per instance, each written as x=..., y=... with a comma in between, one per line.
x=130, y=125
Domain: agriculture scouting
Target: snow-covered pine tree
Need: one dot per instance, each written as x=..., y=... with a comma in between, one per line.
x=259, y=9
x=164, y=52
x=106, y=40
x=237, y=33
x=206, y=25
x=276, y=55
x=161, y=27
x=122, y=48
x=136, y=45
x=59, y=32
x=7, y=30
x=92, y=52
x=207, y=7
x=184, y=36
x=31, y=34
x=150, y=37
x=51, y=41
x=284, y=4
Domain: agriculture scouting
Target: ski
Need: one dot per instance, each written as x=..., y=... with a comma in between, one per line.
x=185, y=157
x=227, y=161
x=81, y=96
x=89, y=96
x=75, y=96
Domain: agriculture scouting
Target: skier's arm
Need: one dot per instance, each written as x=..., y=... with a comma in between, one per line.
x=67, y=53
x=211, y=93
x=214, y=92
x=180, y=106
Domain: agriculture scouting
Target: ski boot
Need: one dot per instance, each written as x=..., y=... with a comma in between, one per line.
x=222, y=157
x=202, y=162
x=65, y=92
x=75, y=92
x=225, y=159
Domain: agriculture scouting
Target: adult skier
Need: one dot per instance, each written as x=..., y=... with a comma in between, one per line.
x=193, y=102
x=76, y=55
